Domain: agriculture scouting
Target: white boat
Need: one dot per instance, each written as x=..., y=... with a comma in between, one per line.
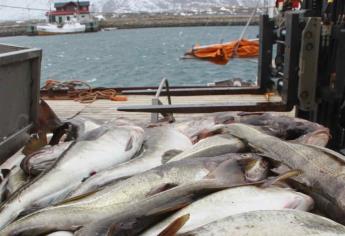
x=66, y=28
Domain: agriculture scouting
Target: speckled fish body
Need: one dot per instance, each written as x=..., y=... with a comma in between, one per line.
x=96, y=151
x=322, y=170
x=158, y=143
x=212, y=146
x=266, y=223
x=234, y=201
x=114, y=198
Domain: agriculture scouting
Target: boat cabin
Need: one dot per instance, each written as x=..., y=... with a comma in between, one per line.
x=68, y=11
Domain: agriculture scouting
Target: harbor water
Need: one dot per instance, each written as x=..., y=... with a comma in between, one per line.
x=137, y=57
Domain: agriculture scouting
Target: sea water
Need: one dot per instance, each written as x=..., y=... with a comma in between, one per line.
x=137, y=57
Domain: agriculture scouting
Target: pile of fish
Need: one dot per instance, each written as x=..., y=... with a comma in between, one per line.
x=221, y=174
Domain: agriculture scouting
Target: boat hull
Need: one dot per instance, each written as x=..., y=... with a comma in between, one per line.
x=45, y=33
x=52, y=29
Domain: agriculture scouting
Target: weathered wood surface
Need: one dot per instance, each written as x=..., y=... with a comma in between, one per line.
x=105, y=109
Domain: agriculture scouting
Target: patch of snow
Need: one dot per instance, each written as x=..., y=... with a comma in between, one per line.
x=120, y=6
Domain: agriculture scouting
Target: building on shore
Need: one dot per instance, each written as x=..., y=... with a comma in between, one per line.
x=68, y=17
x=68, y=11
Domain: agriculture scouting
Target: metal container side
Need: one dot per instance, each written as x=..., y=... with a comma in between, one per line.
x=19, y=96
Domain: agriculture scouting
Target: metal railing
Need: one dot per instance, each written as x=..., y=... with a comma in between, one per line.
x=156, y=101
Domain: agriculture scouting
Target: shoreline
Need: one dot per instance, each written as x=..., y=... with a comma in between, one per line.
x=8, y=29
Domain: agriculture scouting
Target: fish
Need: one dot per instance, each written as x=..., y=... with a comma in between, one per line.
x=73, y=213
x=192, y=127
x=234, y=201
x=73, y=128
x=319, y=138
x=95, y=151
x=13, y=161
x=322, y=172
x=159, y=143
x=43, y=159
x=84, y=125
x=140, y=215
x=4, y=174
x=255, y=169
x=271, y=222
x=16, y=180
x=212, y=146
x=284, y=127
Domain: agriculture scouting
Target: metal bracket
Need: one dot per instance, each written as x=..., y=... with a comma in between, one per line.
x=308, y=64
x=291, y=58
x=156, y=101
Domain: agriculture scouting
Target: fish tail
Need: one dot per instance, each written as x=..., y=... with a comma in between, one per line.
x=175, y=226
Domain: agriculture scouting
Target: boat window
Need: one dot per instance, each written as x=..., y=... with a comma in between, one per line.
x=68, y=18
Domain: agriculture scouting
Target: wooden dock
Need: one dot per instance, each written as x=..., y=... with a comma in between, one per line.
x=106, y=109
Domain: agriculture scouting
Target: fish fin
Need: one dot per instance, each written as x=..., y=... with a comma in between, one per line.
x=175, y=226
x=76, y=198
x=129, y=145
x=161, y=188
x=29, y=210
x=205, y=133
x=122, y=228
x=286, y=175
x=228, y=171
x=137, y=225
x=168, y=155
x=282, y=168
x=177, y=204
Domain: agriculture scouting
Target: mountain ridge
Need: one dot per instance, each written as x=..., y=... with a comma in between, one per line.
x=119, y=6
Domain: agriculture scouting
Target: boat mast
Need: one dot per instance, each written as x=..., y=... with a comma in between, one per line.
x=50, y=11
x=78, y=13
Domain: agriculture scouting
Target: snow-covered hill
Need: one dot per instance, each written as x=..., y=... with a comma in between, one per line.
x=116, y=6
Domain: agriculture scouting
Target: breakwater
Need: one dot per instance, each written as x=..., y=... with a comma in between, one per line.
x=150, y=21
x=142, y=21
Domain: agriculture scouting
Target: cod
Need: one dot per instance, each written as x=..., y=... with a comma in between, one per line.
x=114, y=198
x=96, y=150
x=323, y=171
x=159, y=142
x=274, y=222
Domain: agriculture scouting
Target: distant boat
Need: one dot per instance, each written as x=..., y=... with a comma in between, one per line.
x=66, y=28
x=68, y=18
x=109, y=29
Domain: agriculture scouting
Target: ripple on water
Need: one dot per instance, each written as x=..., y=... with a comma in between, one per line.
x=136, y=57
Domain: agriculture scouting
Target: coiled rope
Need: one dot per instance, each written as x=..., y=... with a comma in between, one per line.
x=88, y=96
